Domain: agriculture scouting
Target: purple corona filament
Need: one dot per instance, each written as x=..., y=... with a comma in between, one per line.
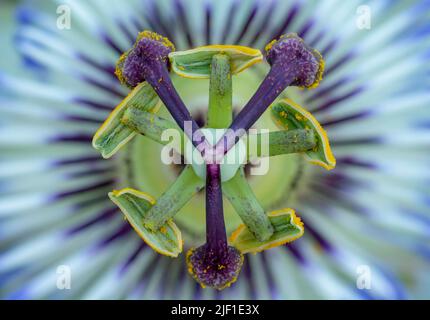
x=214, y=264
x=293, y=63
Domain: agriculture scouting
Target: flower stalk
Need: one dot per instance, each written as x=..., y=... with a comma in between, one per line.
x=220, y=114
x=149, y=125
x=240, y=195
x=282, y=142
x=173, y=199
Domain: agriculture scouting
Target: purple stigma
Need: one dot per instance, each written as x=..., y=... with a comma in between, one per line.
x=214, y=264
x=140, y=59
x=138, y=63
x=290, y=50
x=215, y=269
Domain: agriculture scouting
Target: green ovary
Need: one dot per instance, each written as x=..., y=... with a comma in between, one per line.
x=145, y=171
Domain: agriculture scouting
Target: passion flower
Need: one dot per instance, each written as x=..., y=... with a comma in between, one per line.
x=58, y=85
x=216, y=263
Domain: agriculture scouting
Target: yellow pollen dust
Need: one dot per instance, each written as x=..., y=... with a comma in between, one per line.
x=297, y=221
x=155, y=36
x=270, y=45
x=298, y=117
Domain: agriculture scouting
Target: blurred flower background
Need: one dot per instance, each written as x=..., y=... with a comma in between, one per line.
x=367, y=222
